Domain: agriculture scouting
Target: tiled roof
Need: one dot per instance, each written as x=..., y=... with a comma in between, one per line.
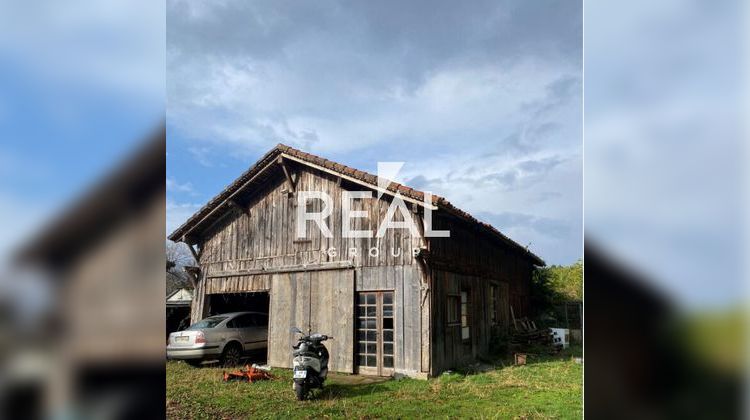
x=363, y=176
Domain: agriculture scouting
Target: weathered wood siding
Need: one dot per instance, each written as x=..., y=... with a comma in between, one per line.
x=473, y=252
x=259, y=236
x=406, y=283
x=262, y=235
x=448, y=349
x=235, y=284
x=322, y=301
x=267, y=238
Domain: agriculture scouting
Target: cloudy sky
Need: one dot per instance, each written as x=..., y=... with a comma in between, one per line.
x=75, y=99
x=482, y=101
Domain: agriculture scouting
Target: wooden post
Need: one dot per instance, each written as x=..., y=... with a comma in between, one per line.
x=195, y=253
x=194, y=273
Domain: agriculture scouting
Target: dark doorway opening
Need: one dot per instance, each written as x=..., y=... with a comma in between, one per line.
x=256, y=345
x=178, y=318
x=238, y=302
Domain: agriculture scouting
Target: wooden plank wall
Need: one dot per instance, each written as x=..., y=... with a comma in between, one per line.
x=264, y=237
x=332, y=313
x=267, y=236
x=237, y=284
x=448, y=350
x=285, y=313
x=321, y=301
x=473, y=252
x=405, y=282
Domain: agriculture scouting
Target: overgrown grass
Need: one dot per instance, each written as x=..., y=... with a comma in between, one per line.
x=545, y=388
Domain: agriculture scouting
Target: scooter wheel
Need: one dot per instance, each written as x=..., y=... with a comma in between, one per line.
x=301, y=391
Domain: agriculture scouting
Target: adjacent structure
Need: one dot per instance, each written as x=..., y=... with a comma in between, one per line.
x=404, y=303
x=178, y=309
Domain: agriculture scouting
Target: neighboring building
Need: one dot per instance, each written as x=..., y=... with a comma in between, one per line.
x=430, y=307
x=178, y=309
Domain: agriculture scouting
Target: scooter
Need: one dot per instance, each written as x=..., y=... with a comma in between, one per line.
x=310, y=362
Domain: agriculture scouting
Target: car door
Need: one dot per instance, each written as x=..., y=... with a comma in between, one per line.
x=241, y=325
x=233, y=330
x=258, y=333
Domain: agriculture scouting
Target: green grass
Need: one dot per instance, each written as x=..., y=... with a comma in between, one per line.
x=546, y=388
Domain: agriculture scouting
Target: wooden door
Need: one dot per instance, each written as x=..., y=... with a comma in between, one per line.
x=289, y=307
x=375, y=332
x=332, y=313
x=320, y=301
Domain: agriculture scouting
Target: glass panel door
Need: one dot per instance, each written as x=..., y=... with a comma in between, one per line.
x=375, y=332
x=367, y=333
x=387, y=328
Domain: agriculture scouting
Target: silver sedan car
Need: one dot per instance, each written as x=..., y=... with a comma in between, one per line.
x=225, y=337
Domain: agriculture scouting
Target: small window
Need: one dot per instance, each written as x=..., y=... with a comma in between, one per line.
x=453, y=309
x=465, y=316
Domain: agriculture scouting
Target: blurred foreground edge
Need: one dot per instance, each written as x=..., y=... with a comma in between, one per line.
x=639, y=361
x=97, y=351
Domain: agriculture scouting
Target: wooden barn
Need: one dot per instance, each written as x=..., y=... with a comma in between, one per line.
x=402, y=303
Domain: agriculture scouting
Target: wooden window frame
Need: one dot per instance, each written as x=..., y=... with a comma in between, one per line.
x=466, y=340
x=453, y=299
x=379, y=369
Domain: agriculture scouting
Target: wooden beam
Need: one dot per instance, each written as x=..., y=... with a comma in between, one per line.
x=337, y=265
x=194, y=252
x=292, y=184
x=194, y=273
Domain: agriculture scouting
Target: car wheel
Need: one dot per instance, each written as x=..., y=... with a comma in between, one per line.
x=231, y=355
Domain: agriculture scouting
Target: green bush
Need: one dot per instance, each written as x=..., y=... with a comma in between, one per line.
x=554, y=285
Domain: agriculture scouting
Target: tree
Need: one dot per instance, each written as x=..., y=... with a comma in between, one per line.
x=554, y=285
x=178, y=256
x=567, y=281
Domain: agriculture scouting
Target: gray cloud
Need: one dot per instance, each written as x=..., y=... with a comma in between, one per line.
x=550, y=235
x=268, y=71
x=555, y=228
x=482, y=99
x=417, y=36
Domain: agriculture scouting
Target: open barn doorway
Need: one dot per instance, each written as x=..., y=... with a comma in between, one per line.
x=238, y=302
x=253, y=327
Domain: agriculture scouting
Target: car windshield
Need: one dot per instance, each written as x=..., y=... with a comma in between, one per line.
x=207, y=323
